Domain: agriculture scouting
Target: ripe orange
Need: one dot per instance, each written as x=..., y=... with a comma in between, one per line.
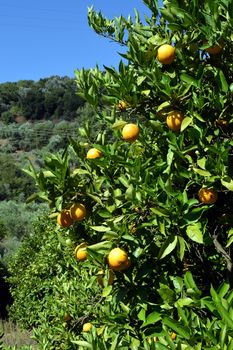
x=173, y=336
x=100, y=276
x=64, y=219
x=130, y=132
x=166, y=54
x=78, y=212
x=207, y=195
x=81, y=252
x=122, y=105
x=174, y=120
x=94, y=153
x=87, y=327
x=215, y=49
x=118, y=259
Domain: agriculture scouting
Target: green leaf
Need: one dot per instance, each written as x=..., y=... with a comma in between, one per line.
x=194, y=233
x=100, y=228
x=124, y=181
x=140, y=80
x=152, y=318
x=189, y=79
x=145, y=92
x=32, y=198
x=223, y=81
x=106, y=291
x=130, y=192
x=160, y=346
x=223, y=289
x=221, y=310
x=185, y=123
x=227, y=182
x=223, y=335
x=168, y=246
x=82, y=343
x=166, y=293
x=163, y=105
x=189, y=282
x=115, y=343
x=194, y=215
x=201, y=162
x=181, y=243
x=101, y=246
x=160, y=211
x=229, y=242
x=202, y=172
x=180, y=329
x=230, y=237
x=48, y=174
x=142, y=315
x=184, y=302
x=96, y=198
x=119, y=124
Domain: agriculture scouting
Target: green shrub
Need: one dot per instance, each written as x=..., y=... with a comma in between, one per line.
x=47, y=284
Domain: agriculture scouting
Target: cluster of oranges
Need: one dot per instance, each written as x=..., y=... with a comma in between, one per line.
x=77, y=212
x=118, y=259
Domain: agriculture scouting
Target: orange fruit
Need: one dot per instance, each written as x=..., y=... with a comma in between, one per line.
x=94, y=153
x=100, y=276
x=174, y=120
x=130, y=132
x=118, y=259
x=81, y=252
x=87, y=327
x=173, y=336
x=207, y=195
x=122, y=105
x=78, y=212
x=222, y=123
x=215, y=49
x=64, y=219
x=166, y=54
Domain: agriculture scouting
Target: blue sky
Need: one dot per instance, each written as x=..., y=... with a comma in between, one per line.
x=44, y=38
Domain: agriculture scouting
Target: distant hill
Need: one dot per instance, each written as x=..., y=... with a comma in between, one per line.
x=52, y=98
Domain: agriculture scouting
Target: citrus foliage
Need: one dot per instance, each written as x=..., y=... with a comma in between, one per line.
x=143, y=196
x=51, y=292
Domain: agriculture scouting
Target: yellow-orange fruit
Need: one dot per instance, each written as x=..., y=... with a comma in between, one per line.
x=118, y=259
x=122, y=105
x=215, y=49
x=207, y=195
x=130, y=132
x=222, y=123
x=174, y=120
x=173, y=336
x=64, y=219
x=94, y=153
x=81, y=252
x=166, y=54
x=87, y=327
x=78, y=212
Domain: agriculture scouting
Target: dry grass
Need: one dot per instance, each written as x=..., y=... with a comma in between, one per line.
x=14, y=336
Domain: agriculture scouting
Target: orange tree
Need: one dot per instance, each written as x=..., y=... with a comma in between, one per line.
x=158, y=201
